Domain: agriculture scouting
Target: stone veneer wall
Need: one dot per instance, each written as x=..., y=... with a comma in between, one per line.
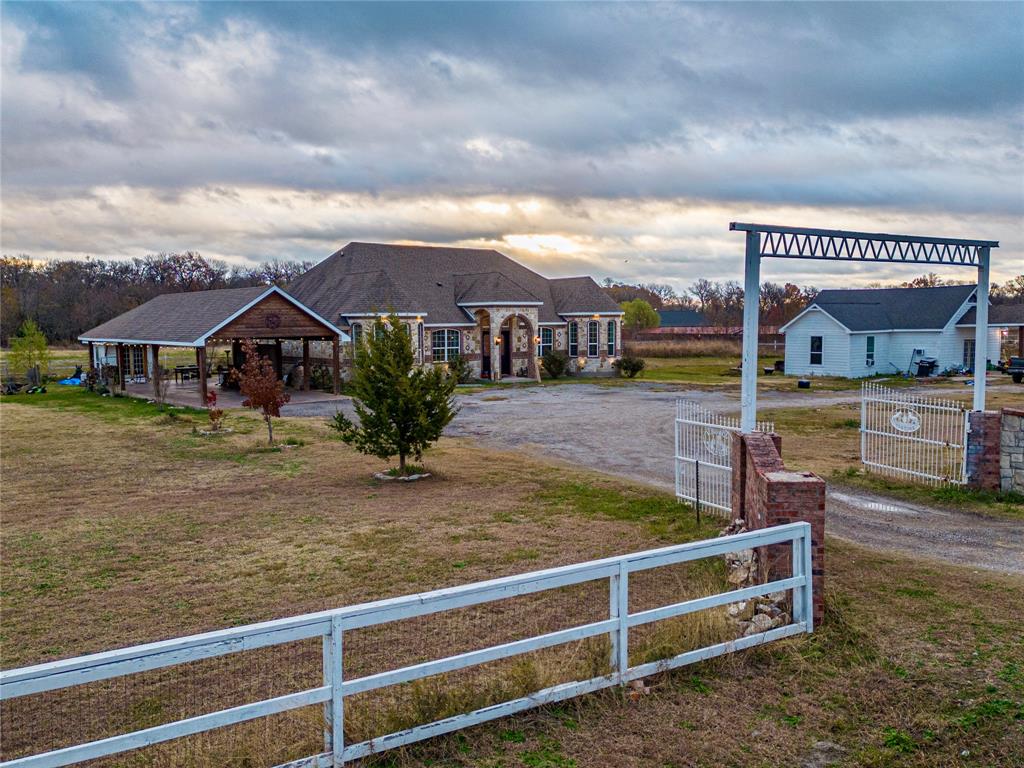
x=1011, y=450
x=765, y=493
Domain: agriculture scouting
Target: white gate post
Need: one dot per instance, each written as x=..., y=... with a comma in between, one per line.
x=751, y=308
x=981, y=330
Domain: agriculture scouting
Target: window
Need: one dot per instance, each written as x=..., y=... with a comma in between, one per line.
x=136, y=361
x=547, y=337
x=611, y=338
x=816, y=346
x=593, y=338
x=869, y=357
x=445, y=345
x=969, y=348
x=357, y=334
x=574, y=340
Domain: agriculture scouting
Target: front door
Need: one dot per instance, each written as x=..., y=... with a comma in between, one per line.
x=506, y=352
x=485, y=356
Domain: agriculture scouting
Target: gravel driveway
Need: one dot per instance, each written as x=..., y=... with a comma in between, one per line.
x=628, y=431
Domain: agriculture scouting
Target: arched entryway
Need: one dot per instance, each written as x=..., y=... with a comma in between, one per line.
x=514, y=348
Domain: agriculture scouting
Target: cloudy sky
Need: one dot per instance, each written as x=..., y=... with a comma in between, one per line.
x=604, y=139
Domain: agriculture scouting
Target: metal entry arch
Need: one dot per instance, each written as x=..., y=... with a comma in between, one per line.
x=784, y=242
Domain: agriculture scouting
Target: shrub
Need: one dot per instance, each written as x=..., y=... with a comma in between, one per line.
x=459, y=367
x=215, y=414
x=555, y=363
x=629, y=366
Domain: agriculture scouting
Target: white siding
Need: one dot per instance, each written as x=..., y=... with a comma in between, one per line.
x=858, y=354
x=835, y=360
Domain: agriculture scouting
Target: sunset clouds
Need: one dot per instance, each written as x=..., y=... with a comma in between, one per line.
x=612, y=140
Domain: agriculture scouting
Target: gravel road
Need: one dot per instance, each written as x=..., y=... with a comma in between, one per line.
x=628, y=431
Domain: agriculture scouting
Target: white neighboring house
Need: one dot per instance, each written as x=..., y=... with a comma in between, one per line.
x=862, y=332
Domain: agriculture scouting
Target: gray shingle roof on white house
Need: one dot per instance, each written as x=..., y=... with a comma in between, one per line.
x=884, y=309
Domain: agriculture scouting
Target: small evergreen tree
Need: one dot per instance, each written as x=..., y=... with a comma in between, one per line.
x=29, y=351
x=402, y=408
x=260, y=386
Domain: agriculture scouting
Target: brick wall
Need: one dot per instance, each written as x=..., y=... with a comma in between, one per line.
x=1011, y=449
x=983, y=447
x=765, y=493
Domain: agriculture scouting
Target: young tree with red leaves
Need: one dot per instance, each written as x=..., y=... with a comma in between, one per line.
x=260, y=386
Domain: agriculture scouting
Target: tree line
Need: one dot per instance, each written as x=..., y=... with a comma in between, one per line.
x=721, y=303
x=67, y=297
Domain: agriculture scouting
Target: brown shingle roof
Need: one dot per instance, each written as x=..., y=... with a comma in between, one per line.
x=433, y=281
x=179, y=318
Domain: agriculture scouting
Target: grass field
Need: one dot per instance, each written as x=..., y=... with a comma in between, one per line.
x=121, y=526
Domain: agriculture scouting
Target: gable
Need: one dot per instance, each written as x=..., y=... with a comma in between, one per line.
x=273, y=317
x=814, y=316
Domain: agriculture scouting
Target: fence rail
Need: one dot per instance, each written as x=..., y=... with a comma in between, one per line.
x=332, y=625
x=913, y=436
x=703, y=455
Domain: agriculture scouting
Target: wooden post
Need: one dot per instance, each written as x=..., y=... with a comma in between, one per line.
x=305, y=365
x=1020, y=341
x=157, y=373
x=92, y=357
x=201, y=364
x=120, y=367
x=336, y=353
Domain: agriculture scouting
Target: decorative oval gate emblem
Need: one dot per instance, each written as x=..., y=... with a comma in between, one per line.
x=905, y=420
x=715, y=443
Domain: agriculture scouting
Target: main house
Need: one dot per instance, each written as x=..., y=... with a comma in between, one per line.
x=862, y=332
x=477, y=304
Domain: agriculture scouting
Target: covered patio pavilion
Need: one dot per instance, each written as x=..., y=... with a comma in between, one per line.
x=132, y=342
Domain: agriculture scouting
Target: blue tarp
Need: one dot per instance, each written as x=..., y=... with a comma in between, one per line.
x=71, y=382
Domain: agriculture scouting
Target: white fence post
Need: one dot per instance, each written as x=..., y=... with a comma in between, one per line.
x=808, y=574
x=619, y=604
x=334, y=710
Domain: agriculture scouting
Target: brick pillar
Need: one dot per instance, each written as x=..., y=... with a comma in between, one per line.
x=767, y=494
x=739, y=467
x=983, y=449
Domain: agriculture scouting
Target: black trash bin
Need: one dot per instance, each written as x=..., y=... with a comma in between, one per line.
x=926, y=366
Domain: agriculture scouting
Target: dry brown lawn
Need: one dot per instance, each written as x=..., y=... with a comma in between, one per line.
x=121, y=526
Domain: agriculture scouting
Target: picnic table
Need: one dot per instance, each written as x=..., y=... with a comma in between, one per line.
x=185, y=372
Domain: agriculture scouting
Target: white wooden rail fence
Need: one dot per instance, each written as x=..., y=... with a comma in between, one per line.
x=703, y=455
x=905, y=435
x=332, y=625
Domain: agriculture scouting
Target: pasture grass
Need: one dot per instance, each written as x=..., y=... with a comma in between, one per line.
x=122, y=526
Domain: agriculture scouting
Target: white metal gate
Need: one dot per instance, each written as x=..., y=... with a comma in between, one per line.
x=704, y=455
x=913, y=436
